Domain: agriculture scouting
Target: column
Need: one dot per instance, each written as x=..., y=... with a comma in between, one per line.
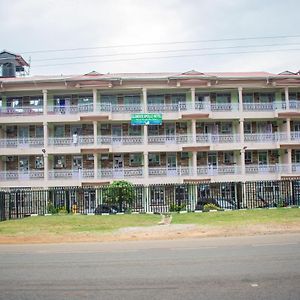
x=146, y=169
x=95, y=165
x=194, y=161
x=44, y=150
x=95, y=133
x=45, y=102
x=243, y=170
x=240, y=89
x=46, y=167
x=145, y=128
x=241, y=129
x=286, y=97
x=194, y=130
x=45, y=126
x=95, y=100
x=288, y=129
x=145, y=100
x=289, y=160
x=193, y=97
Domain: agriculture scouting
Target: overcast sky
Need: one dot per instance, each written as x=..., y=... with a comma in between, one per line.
x=34, y=25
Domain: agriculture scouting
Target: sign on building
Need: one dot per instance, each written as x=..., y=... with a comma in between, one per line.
x=146, y=119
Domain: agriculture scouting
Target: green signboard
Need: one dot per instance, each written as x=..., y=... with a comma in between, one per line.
x=146, y=119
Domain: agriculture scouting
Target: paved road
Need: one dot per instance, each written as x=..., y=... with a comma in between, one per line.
x=263, y=267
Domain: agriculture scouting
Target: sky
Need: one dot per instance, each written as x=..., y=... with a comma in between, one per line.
x=123, y=32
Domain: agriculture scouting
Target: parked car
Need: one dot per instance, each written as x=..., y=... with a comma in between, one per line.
x=106, y=209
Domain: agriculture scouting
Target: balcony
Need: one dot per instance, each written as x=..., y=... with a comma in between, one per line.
x=170, y=171
x=70, y=110
x=21, y=175
x=71, y=174
x=217, y=138
x=120, y=108
x=69, y=141
x=170, y=139
x=218, y=170
x=266, y=137
x=21, y=111
x=119, y=173
x=265, y=169
x=120, y=140
x=295, y=135
x=260, y=106
x=22, y=142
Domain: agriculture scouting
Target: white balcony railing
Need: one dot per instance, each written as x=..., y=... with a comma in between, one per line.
x=24, y=110
x=217, y=138
x=119, y=108
x=170, y=171
x=295, y=135
x=70, y=141
x=268, y=106
x=296, y=167
x=294, y=104
x=71, y=109
x=121, y=140
x=71, y=174
x=22, y=175
x=262, y=169
x=218, y=170
x=22, y=142
x=170, y=139
x=121, y=173
x=266, y=137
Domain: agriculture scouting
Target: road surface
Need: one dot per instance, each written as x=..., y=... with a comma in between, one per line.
x=258, y=267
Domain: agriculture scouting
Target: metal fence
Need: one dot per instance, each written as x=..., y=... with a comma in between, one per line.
x=19, y=203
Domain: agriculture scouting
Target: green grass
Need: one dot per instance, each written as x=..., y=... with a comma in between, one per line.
x=73, y=224
x=240, y=217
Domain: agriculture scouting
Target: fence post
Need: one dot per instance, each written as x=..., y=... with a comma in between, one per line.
x=146, y=198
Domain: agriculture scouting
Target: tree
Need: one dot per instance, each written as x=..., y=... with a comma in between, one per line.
x=121, y=192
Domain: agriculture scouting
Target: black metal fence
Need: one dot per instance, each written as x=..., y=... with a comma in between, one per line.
x=19, y=203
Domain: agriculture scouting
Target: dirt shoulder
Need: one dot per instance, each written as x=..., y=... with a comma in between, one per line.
x=157, y=232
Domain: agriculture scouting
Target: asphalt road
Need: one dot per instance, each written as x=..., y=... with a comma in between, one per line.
x=262, y=267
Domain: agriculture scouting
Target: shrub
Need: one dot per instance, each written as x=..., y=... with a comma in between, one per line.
x=211, y=206
x=52, y=209
x=62, y=210
x=176, y=208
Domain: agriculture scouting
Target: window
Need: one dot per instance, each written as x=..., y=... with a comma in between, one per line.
x=132, y=99
x=228, y=157
x=39, y=131
x=153, y=130
x=202, y=97
x=85, y=99
x=178, y=98
x=59, y=161
x=223, y=98
x=248, y=158
x=135, y=130
x=248, y=98
x=39, y=162
x=109, y=99
x=154, y=159
x=156, y=99
x=247, y=127
x=266, y=97
x=226, y=128
x=135, y=159
x=59, y=131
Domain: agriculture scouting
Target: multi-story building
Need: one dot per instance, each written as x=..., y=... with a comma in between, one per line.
x=77, y=130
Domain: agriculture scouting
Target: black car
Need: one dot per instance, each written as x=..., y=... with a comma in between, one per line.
x=106, y=209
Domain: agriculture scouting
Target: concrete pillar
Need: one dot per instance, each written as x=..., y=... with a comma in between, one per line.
x=145, y=128
x=194, y=162
x=240, y=89
x=194, y=130
x=45, y=102
x=145, y=109
x=95, y=132
x=286, y=94
x=289, y=160
x=241, y=130
x=95, y=165
x=243, y=169
x=45, y=126
x=46, y=167
x=146, y=169
x=193, y=97
x=95, y=100
x=288, y=129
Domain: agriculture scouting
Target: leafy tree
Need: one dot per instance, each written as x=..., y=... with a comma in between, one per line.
x=122, y=193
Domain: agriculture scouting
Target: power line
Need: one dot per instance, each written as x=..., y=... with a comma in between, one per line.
x=163, y=57
x=161, y=43
x=165, y=51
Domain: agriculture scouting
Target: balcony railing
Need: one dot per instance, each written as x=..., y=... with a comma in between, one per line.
x=218, y=170
x=170, y=171
x=261, y=169
x=22, y=142
x=21, y=175
x=121, y=140
x=121, y=173
x=21, y=111
x=119, y=108
x=266, y=137
x=70, y=141
x=71, y=174
x=217, y=138
x=294, y=104
x=170, y=139
x=295, y=135
x=296, y=167
x=72, y=109
x=259, y=106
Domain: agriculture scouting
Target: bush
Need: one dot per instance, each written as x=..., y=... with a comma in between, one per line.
x=176, y=208
x=211, y=206
x=62, y=211
x=52, y=209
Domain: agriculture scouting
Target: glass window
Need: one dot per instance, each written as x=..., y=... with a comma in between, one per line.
x=59, y=161
x=228, y=157
x=248, y=98
x=226, y=128
x=247, y=127
x=266, y=97
x=202, y=97
x=59, y=131
x=248, y=157
x=39, y=162
x=223, y=98
x=154, y=159
x=156, y=99
x=39, y=131
x=153, y=130
x=132, y=99
x=85, y=99
x=112, y=99
x=178, y=98
x=135, y=159
x=135, y=130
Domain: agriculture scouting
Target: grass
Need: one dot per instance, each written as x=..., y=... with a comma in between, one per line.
x=73, y=224
x=240, y=217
